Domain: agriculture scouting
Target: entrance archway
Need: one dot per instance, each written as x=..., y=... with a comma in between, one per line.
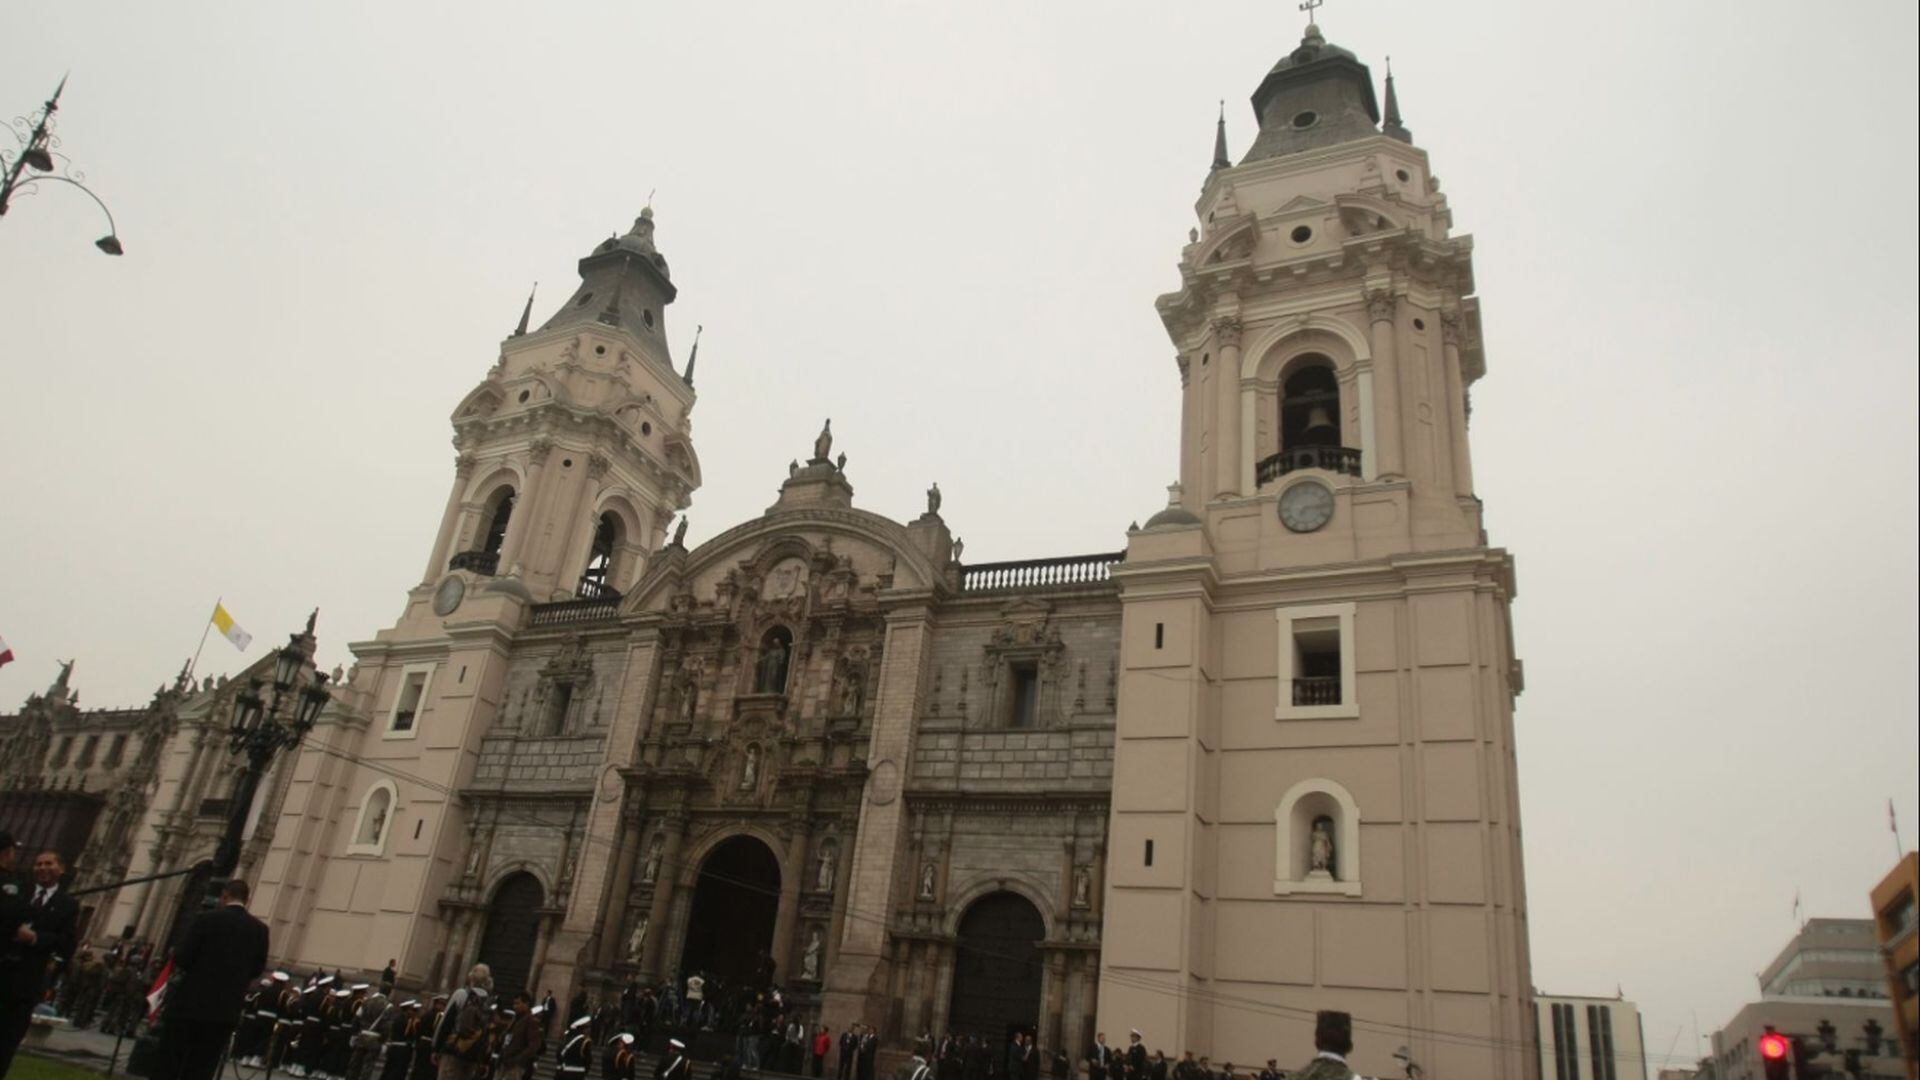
x=996, y=968
x=730, y=933
x=513, y=925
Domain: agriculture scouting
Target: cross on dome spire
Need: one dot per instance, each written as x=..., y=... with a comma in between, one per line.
x=1308, y=6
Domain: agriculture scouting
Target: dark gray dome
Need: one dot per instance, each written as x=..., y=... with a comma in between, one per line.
x=1175, y=516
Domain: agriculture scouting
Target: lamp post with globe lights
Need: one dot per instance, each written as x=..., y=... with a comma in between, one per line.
x=19, y=173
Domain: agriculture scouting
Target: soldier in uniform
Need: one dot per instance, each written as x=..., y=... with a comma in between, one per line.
x=1136, y=1055
x=674, y=1064
x=397, y=1037
x=256, y=1022
x=420, y=1031
x=339, y=1043
x=87, y=979
x=576, y=1053
x=368, y=1037
x=311, y=1041
x=619, y=1058
x=1332, y=1042
x=287, y=1020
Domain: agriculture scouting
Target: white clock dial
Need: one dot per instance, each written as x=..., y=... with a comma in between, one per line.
x=1306, y=506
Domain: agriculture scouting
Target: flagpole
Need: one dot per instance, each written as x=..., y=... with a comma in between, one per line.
x=195, y=662
x=1893, y=823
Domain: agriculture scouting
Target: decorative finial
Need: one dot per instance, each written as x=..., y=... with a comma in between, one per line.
x=1392, y=127
x=694, y=356
x=823, y=444
x=646, y=212
x=526, y=313
x=1308, y=6
x=1220, y=159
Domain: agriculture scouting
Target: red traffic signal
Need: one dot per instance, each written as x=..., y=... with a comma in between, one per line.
x=1773, y=1047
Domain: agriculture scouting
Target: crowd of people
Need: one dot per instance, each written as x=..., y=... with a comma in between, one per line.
x=321, y=1026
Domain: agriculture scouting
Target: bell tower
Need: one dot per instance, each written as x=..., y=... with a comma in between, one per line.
x=1314, y=802
x=576, y=449
x=574, y=453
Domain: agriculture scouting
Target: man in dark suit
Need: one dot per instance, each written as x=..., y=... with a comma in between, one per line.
x=222, y=952
x=36, y=932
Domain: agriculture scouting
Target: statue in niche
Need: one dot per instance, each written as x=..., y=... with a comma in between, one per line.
x=1320, y=848
x=771, y=678
x=959, y=548
x=1082, y=887
x=823, y=445
x=654, y=854
x=810, y=960
x=689, y=699
x=680, y=534
x=933, y=498
x=750, y=769
x=853, y=688
x=927, y=875
x=827, y=864
x=637, y=944
x=377, y=824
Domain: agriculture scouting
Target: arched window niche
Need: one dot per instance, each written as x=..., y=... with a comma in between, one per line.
x=1304, y=863
x=597, y=581
x=374, y=822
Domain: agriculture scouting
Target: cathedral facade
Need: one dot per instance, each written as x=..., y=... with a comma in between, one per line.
x=1256, y=762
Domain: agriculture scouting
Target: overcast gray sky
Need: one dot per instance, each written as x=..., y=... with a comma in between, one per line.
x=944, y=226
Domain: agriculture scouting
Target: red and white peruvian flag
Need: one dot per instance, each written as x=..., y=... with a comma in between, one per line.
x=6, y=653
x=157, y=996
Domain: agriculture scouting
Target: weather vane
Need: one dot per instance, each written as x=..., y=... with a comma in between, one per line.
x=1308, y=6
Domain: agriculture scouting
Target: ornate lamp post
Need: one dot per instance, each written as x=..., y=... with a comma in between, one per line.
x=260, y=729
x=37, y=147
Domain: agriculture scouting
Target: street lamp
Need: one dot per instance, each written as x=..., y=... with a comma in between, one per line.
x=37, y=142
x=260, y=728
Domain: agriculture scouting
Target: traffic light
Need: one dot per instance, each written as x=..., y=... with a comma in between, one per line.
x=1774, y=1055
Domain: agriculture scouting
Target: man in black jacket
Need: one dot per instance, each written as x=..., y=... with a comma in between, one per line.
x=222, y=952
x=36, y=930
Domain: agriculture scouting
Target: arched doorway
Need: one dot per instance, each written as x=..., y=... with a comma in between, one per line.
x=996, y=968
x=513, y=925
x=730, y=933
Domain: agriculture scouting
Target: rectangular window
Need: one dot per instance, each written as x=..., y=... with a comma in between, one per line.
x=116, y=750
x=1595, y=1045
x=1159, y=635
x=408, y=703
x=61, y=751
x=1024, y=708
x=1149, y=853
x=88, y=747
x=1605, y=1040
x=1316, y=668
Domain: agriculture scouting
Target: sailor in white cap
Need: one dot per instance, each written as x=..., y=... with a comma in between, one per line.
x=1136, y=1053
x=673, y=1064
x=620, y=1057
x=576, y=1054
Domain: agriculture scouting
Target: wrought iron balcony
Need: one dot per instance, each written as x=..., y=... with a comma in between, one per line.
x=484, y=563
x=1339, y=459
x=1040, y=573
x=1324, y=690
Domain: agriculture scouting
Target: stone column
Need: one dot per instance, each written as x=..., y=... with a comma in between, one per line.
x=1052, y=990
x=859, y=966
x=1457, y=404
x=450, y=519
x=663, y=888
x=1190, y=481
x=515, y=545
x=1388, y=423
x=1226, y=390
x=787, y=917
x=943, y=987
x=614, y=904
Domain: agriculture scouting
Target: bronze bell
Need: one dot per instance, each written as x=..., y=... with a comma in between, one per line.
x=1320, y=423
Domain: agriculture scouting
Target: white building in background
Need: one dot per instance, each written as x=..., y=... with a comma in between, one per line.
x=1589, y=1038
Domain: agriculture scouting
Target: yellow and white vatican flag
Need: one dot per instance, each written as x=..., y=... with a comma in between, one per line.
x=230, y=629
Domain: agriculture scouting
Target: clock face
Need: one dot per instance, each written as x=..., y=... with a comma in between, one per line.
x=448, y=596
x=1306, y=506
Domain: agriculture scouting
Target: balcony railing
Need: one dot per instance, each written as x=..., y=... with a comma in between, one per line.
x=1339, y=459
x=1040, y=573
x=1324, y=690
x=484, y=563
x=573, y=612
x=213, y=808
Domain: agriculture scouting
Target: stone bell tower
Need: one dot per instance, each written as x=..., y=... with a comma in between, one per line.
x=1315, y=803
x=575, y=453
